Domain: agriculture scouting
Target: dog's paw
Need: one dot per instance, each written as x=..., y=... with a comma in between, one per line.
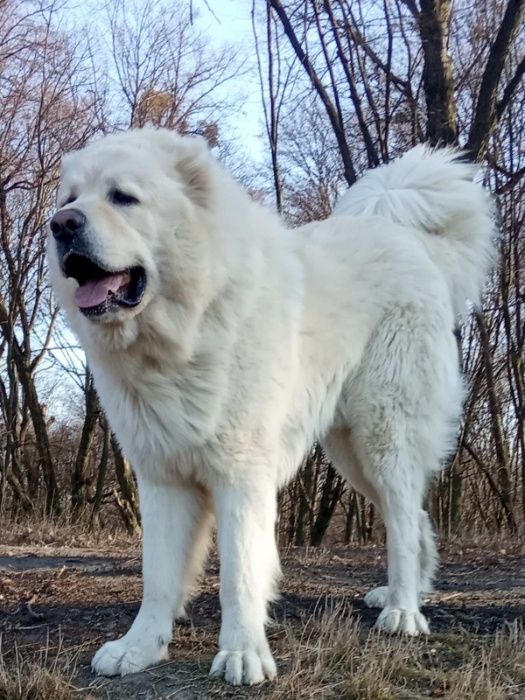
x=377, y=597
x=247, y=667
x=122, y=657
x=398, y=621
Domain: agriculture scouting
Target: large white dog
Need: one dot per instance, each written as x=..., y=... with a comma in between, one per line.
x=223, y=344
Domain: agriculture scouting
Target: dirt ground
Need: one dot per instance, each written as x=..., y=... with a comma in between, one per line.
x=71, y=600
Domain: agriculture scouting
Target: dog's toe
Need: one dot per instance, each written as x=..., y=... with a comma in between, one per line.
x=247, y=667
x=399, y=621
x=377, y=597
x=121, y=658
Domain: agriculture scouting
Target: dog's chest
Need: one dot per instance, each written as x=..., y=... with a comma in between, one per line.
x=159, y=418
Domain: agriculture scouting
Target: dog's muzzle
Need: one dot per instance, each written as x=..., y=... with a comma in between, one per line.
x=101, y=290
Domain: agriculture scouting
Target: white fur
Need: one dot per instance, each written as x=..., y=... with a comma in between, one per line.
x=254, y=340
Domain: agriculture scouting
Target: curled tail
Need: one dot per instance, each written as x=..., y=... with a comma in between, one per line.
x=433, y=191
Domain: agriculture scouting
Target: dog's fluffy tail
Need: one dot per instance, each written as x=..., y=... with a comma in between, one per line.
x=433, y=191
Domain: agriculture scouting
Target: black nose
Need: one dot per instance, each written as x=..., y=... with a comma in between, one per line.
x=67, y=223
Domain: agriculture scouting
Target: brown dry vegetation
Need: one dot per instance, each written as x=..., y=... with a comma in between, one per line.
x=44, y=677
x=331, y=657
x=59, y=604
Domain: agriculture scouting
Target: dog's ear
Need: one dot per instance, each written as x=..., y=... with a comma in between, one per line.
x=192, y=163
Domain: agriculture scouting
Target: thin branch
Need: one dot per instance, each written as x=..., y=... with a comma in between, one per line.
x=486, y=112
x=338, y=127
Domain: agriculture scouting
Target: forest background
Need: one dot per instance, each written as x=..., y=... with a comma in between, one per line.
x=297, y=98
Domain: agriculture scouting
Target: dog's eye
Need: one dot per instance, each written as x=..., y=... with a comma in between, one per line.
x=121, y=198
x=69, y=200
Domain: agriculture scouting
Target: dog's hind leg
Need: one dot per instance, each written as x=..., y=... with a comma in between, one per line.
x=401, y=494
x=393, y=481
x=401, y=409
x=196, y=558
x=174, y=522
x=380, y=482
x=428, y=561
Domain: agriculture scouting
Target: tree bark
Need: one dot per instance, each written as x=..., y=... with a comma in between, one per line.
x=433, y=23
x=330, y=495
x=487, y=112
x=101, y=474
x=500, y=443
x=127, y=498
x=81, y=466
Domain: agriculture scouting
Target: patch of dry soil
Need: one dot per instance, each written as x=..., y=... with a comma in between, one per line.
x=74, y=598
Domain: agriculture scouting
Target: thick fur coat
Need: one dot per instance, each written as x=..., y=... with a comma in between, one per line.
x=247, y=342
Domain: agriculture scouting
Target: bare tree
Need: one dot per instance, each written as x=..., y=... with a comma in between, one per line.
x=345, y=86
x=45, y=107
x=167, y=73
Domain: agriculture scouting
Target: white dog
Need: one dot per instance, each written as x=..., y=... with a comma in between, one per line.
x=223, y=344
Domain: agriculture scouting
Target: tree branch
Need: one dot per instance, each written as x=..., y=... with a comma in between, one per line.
x=486, y=112
x=510, y=89
x=337, y=125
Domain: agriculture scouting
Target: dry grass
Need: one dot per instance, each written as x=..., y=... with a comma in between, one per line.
x=328, y=657
x=48, y=675
x=498, y=673
x=334, y=658
x=62, y=531
x=325, y=656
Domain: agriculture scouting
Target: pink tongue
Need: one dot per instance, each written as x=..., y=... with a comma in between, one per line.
x=94, y=293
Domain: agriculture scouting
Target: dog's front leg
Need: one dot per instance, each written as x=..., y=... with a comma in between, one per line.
x=249, y=569
x=174, y=522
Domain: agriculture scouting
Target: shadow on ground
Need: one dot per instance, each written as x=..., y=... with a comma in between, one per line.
x=78, y=600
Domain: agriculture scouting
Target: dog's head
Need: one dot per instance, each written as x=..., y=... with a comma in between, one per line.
x=131, y=226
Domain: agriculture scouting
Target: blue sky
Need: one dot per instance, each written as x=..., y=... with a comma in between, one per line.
x=222, y=22
x=230, y=22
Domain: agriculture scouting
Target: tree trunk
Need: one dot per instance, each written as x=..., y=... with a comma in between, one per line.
x=433, y=23
x=304, y=507
x=101, y=475
x=500, y=442
x=126, y=498
x=36, y=411
x=81, y=466
x=332, y=487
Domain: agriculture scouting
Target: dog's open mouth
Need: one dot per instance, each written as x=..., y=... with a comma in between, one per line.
x=102, y=291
